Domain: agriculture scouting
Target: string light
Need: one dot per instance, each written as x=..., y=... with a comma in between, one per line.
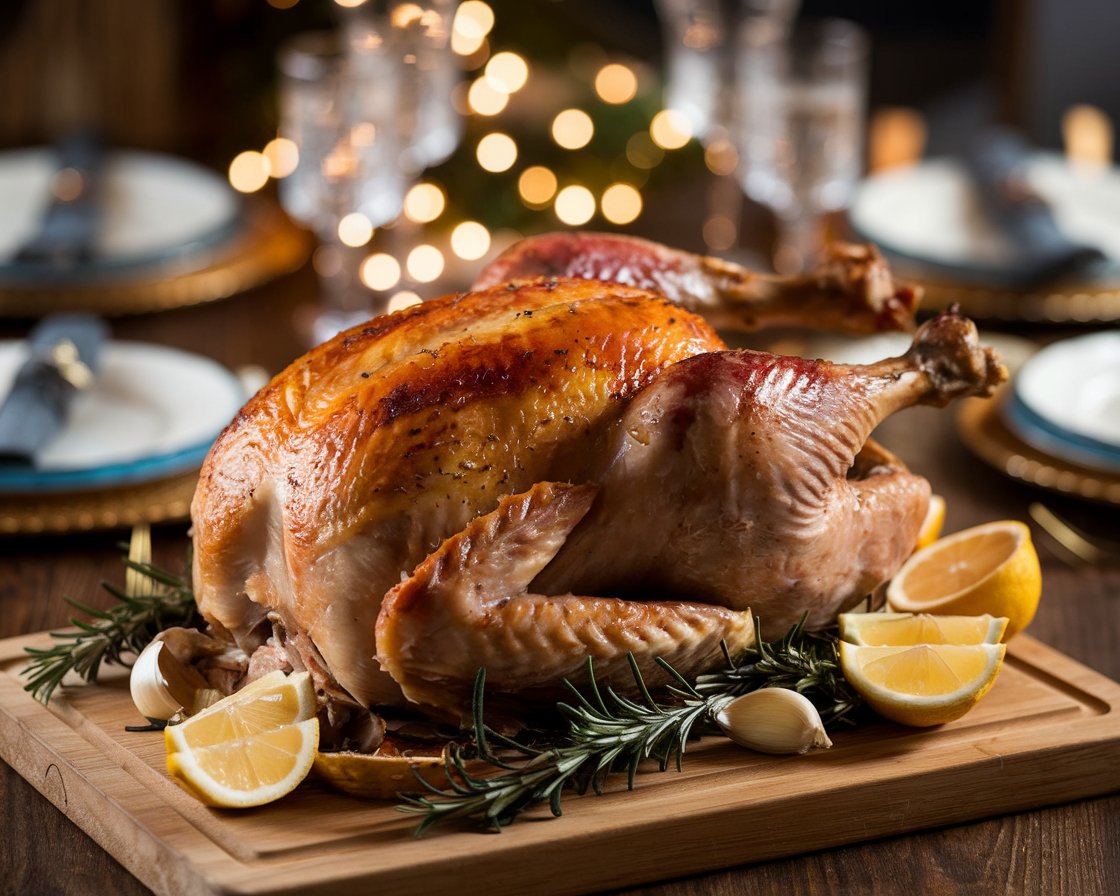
x=496, y=152
x=355, y=229
x=721, y=157
x=380, y=272
x=719, y=233
x=248, y=171
x=424, y=263
x=642, y=152
x=403, y=299
x=572, y=129
x=282, y=155
x=575, y=205
x=484, y=99
x=537, y=185
x=670, y=129
x=507, y=72
x=423, y=203
x=616, y=83
x=621, y=203
x=470, y=240
x=473, y=21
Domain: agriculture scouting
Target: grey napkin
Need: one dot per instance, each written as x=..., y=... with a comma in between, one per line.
x=64, y=356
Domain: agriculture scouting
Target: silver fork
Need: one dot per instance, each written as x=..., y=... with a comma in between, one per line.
x=1084, y=547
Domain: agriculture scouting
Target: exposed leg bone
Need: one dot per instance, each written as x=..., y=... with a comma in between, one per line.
x=467, y=606
x=851, y=290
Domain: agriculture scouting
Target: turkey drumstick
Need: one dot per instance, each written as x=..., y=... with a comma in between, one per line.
x=851, y=290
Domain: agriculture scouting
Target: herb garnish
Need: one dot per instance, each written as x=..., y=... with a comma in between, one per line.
x=153, y=599
x=607, y=732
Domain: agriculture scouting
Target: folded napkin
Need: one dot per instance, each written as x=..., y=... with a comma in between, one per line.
x=64, y=353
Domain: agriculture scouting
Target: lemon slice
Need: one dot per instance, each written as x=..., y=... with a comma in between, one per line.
x=990, y=569
x=923, y=685
x=910, y=629
x=249, y=748
x=933, y=522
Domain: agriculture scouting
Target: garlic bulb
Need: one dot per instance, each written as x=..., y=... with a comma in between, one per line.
x=773, y=720
x=161, y=686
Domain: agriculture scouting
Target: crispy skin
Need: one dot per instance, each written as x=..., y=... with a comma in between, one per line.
x=360, y=458
x=851, y=289
x=730, y=478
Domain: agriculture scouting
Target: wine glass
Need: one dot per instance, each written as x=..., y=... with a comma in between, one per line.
x=348, y=147
x=800, y=120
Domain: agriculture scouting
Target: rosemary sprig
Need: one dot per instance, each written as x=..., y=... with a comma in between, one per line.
x=607, y=732
x=153, y=599
x=803, y=661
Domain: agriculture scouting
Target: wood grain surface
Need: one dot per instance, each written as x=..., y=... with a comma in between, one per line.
x=1072, y=848
x=1048, y=732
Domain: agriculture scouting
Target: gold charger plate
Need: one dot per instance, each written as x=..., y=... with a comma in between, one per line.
x=1071, y=303
x=160, y=501
x=981, y=427
x=268, y=245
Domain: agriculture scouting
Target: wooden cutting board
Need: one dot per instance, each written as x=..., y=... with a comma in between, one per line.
x=1048, y=732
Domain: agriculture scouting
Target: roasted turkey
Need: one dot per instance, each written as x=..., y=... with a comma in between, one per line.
x=535, y=472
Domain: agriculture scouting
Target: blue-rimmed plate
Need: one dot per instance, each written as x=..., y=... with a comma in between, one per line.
x=1066, y=401
x=155, y=209
x=152, y=412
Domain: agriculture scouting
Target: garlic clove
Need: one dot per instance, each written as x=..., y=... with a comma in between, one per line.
x=161, y=686
x=774, y=720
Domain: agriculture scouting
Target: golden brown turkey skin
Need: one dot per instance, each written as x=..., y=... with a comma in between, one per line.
x=360, y=458
x=507, y=464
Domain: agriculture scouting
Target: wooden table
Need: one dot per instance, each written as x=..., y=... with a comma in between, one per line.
x=1072, y=849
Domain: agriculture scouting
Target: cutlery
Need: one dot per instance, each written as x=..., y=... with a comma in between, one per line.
x=997, y=163
x=1089, y=550
x=67, y=232
x=64, y=354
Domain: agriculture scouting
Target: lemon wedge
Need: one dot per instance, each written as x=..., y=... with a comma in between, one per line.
x=989, y=569
x=250, y=748
x=910, y=629
x=933, y=522
x=922, y=685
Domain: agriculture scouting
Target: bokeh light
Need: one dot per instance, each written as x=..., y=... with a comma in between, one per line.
x=424, y=202
x=282, y=155
x=381, y=271
x=507, y=72
x=616, y=83
x=537, y=186
x=496, y=152
x=642, y=152
x=720, y=233
x=575, y=205
x=573, y=129
x=470, y=240
x=473, y=21
x=621, y=203
x=406, y=298
x=483, y=99
x=424, y=263
x=249, y=171
x=355, y=229
x=721, y=157
x=670, y=129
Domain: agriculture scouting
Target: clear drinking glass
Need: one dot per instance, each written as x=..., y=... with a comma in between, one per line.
x=800, y=126
x=349, y=161
x=698, y=58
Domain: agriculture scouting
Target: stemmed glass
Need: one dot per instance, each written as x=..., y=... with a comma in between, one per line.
x=368, y=108
x=799, y=126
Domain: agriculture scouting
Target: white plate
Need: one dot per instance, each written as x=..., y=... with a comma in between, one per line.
x=152, y=412
x=929, y=211
x=1066, y=400
x=155, y=206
